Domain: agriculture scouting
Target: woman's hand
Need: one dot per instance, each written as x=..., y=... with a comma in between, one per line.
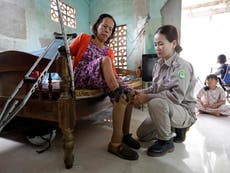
x=138, y=91
x=140, y=98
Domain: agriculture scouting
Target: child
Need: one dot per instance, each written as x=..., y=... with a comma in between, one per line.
x=221, y=59
x=211, y=99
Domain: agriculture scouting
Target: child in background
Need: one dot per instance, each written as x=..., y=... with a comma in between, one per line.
x=221, y=59
x=211, y=99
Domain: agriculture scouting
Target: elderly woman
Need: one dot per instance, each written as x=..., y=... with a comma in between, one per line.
x=93, y=68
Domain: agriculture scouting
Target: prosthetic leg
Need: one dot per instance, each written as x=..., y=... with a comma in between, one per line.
x=127, y=136
x=121, y=124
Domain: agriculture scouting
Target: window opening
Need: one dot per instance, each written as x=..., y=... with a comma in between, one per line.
x=68, y=13
x=119, y=46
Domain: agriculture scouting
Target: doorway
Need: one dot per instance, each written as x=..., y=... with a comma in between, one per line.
x=205, y=33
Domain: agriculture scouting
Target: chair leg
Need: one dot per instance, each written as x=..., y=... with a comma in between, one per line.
x=68, y=146
x=67, y=115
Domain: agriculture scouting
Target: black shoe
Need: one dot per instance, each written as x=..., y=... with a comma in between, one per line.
x=128, y=140
x=180, y=135
x=123, y=151
x=160, y=148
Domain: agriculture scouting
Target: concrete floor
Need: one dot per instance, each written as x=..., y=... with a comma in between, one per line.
x=206, y=150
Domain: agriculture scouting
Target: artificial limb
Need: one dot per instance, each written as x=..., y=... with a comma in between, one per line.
x=117, y=146
x=127, y=136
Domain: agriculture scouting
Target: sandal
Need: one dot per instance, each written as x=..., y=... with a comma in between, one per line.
x=123, y=151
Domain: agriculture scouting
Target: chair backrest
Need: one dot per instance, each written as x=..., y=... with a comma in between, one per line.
x=148, y=60
x=226, y=78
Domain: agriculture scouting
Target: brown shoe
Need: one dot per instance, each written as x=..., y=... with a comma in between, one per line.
x=123, y=151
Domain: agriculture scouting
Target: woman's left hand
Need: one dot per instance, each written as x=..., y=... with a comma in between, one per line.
x=139, y=99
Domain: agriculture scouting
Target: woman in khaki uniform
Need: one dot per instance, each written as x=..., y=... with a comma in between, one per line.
x=170, y=99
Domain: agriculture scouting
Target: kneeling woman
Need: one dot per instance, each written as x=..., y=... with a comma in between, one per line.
x=170, y=99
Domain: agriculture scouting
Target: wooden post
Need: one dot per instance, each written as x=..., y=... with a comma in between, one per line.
x=66, y=110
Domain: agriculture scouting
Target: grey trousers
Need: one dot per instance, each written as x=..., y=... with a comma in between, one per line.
x=164, y=115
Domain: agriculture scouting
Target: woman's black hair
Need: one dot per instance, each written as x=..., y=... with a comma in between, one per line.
x=99, y=21
x=171, y=34
x=213, y=76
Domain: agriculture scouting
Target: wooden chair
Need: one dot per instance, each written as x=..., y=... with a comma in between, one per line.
x=50, y=104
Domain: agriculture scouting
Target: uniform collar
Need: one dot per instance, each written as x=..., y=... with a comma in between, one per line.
x=169, y=61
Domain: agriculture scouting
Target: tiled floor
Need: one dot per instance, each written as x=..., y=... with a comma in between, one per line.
x=206, y=150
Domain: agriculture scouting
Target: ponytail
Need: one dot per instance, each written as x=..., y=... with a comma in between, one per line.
x=178, y=48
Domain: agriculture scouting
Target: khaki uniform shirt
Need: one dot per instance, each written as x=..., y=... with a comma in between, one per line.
x=175, y=81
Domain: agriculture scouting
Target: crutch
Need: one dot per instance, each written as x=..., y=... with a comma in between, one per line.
x=22, y=81
x=8, y=114
x=69, y=59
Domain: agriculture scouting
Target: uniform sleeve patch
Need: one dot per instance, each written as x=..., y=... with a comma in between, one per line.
x=181, y=73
